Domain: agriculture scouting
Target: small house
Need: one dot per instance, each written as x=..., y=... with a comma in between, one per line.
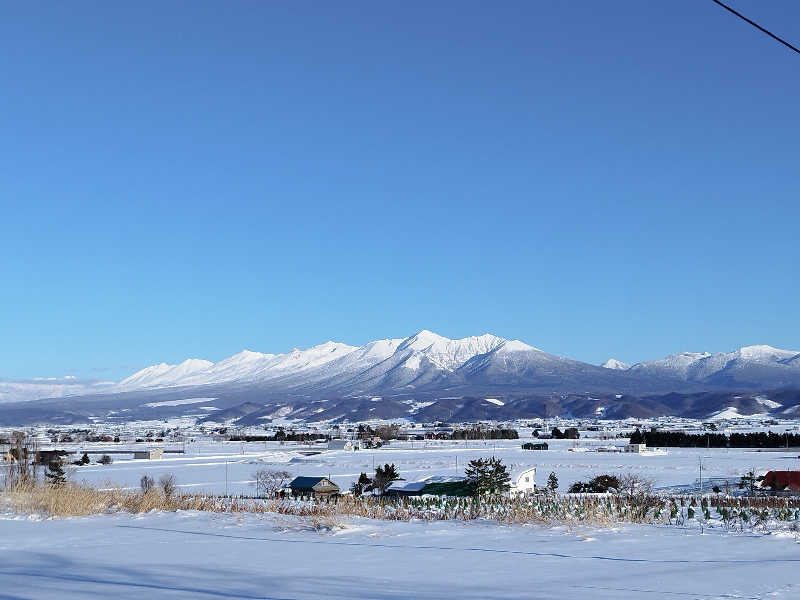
x=636, y=448
x=150, y=454
x=610, y=448
x=782, y=480
x=535, y=446
x=348, y=445
x=48, y=457
x=434, y=485
x=523, y=481
x=318, y=487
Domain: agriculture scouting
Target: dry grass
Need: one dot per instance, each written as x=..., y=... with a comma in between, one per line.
x=72, y=500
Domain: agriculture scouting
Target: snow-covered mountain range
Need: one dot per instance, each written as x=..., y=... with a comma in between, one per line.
x=426, y=367
x=390, y=363
x=427, y=359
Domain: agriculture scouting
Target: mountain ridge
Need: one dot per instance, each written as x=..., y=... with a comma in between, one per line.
x=427, y=364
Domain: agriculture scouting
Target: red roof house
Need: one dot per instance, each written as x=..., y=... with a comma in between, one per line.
x=781, y=480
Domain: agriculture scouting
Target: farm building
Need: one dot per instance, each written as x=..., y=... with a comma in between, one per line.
x=636, y=448
x=782, y=480
x=609, y=449
x=535, y=446
x=151, y=454
x=343, y=445
x=46, y=457
x=523, y=481
x=321, y=487
x=436, y=485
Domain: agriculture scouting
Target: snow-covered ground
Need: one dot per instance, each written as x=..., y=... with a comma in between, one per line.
x=207, y=466
x=194, y=555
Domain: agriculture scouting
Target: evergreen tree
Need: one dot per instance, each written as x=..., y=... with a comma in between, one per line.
x=552, y=482
x=384, y=477
x=487, y=476
x=55, y=473
x=748, y=481
x=361, y=485
x=84, y=459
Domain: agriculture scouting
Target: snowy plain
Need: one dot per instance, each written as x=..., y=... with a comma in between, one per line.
x=218, y=467
x=202, y=555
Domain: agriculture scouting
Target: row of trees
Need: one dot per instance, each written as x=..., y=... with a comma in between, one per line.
x=570, y=433
x=281, y=436
x=680, y=439
x=478, y=433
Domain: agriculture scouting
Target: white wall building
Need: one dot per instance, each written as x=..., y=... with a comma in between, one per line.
x=343, y=445
x=523, y=481
x=636, y=448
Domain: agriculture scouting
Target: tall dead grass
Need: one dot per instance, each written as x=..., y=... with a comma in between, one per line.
x=73, y=500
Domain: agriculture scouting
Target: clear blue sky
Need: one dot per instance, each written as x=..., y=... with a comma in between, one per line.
x=187, y=179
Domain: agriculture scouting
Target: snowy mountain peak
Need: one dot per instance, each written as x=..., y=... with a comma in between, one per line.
x=163, y=374
x=248, y=355
x=424, y=339
x=764, y=352
x=427, y=361
x=443, y=353
x=613, y=363
x=517, y=346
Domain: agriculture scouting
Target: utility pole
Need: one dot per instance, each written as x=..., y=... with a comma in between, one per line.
x=700, y=462
x=226, y=478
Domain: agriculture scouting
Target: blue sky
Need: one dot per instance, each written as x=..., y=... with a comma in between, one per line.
x=187, y=179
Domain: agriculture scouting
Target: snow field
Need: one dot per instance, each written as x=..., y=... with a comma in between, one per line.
x=207, y=465
x=201, y=555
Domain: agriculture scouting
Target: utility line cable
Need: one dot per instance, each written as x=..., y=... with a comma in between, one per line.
x=757, y=26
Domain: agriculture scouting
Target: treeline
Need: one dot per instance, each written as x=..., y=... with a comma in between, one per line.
x=680, y=439
x=570, y=433
x=281, y=436
x=477, y=433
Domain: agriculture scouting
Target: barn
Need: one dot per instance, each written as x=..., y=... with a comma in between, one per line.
x=318, y=487
x=151, y=454
x=523, y=481
x=782, y=480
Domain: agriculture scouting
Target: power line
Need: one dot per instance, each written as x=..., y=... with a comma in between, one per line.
x=757, y=26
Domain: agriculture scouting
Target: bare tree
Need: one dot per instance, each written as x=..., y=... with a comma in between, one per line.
x=21, y=469
x=387, y=432
x=167, y=484
x=633, y=484
x=146, y=483
x=269, y=481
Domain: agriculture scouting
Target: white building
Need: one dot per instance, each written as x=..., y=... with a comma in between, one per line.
x=636, y=448
x=523, y=481
x=343, y=445
x=150, y=454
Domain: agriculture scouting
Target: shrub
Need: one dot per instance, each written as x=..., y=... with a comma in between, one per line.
x=146, y=483
x=167, y=484
x=599, y=485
